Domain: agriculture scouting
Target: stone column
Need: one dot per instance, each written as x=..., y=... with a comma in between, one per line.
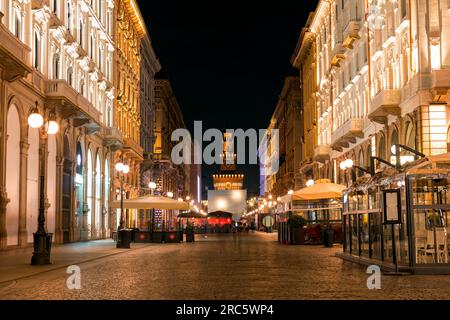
x=23, y=235
x=3, y=195
x=3, y=203
x=58, y=236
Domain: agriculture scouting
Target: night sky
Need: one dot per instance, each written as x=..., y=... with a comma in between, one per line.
x=226, y=61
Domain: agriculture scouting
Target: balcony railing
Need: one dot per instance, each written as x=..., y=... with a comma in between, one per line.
x=135, y=148
x=70, y=101
x=14, y=55
x=386, y=102
x=347, y=133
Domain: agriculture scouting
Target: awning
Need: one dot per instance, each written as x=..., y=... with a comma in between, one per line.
x=152, y=202
x=319, y=191
x=192, y=214
x=220, y=214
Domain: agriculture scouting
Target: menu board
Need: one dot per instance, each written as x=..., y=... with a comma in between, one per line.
x=392, y=206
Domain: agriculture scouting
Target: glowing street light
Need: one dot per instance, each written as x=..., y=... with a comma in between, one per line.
x=170, y=194
x=123, y=169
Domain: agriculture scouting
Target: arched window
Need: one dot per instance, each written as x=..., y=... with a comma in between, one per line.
x=70, y=76
x=55, y=66
x=69, y=17
x=82, y=87
x=80, y=30
x=100, y=58
x=55, y=6
x=90, y=186
x=17, y=24
x=99, y=12
x=91, y=46
x=36, y=51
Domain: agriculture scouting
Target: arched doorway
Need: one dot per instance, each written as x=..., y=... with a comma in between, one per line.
x=12, y=174
x=79, y=191
x=66, y=192
x=98, y=196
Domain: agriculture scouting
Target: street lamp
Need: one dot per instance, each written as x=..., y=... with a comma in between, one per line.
x=310, y=183
x=170, y=194
x=42, y=240
x=152, y=186
x=349, y=164
x=395, y=150
x=291, y=192
x=122, y=240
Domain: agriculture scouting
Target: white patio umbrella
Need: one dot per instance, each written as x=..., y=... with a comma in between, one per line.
x=319, y=191
x=152, y=202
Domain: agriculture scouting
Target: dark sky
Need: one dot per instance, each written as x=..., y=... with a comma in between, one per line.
x=226, y=60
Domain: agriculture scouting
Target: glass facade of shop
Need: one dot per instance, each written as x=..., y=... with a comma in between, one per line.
x=421, y=237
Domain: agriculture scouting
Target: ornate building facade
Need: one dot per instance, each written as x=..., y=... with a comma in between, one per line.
x=288, y=119
x=56, y=55
x=168, y=117
x=149, y=67
x=382, y=71
x=129, y=31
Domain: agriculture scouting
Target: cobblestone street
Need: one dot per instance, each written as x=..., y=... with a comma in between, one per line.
x=242, y=266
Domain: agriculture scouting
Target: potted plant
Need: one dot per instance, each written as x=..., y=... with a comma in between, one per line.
x=297, y=226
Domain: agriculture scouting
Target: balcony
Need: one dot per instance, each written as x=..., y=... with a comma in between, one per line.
x=347, y=133
x=387, y=102
x=351, y=33
x=112, y=138
x=14, y=55
x=72, y=104
x=148, y=161
x=133, y=148
x=440, y=81
x=322, y=153
x=338, y=55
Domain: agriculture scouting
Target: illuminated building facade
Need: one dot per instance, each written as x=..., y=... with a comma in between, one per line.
x=149, y=67
x=129, y=31
x=59, y=54
x=382, y=71
x=168, y=117
x=288, y=119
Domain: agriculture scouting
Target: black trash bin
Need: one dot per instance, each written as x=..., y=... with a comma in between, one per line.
x=124, y=238
x=328, y=238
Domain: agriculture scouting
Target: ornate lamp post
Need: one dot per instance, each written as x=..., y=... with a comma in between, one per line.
x=42, y=240
x=152, y=186
x=122, y=240
x=348, y=164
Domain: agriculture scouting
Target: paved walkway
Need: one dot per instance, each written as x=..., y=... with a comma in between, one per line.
x=15, y=264
x=222, y=266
